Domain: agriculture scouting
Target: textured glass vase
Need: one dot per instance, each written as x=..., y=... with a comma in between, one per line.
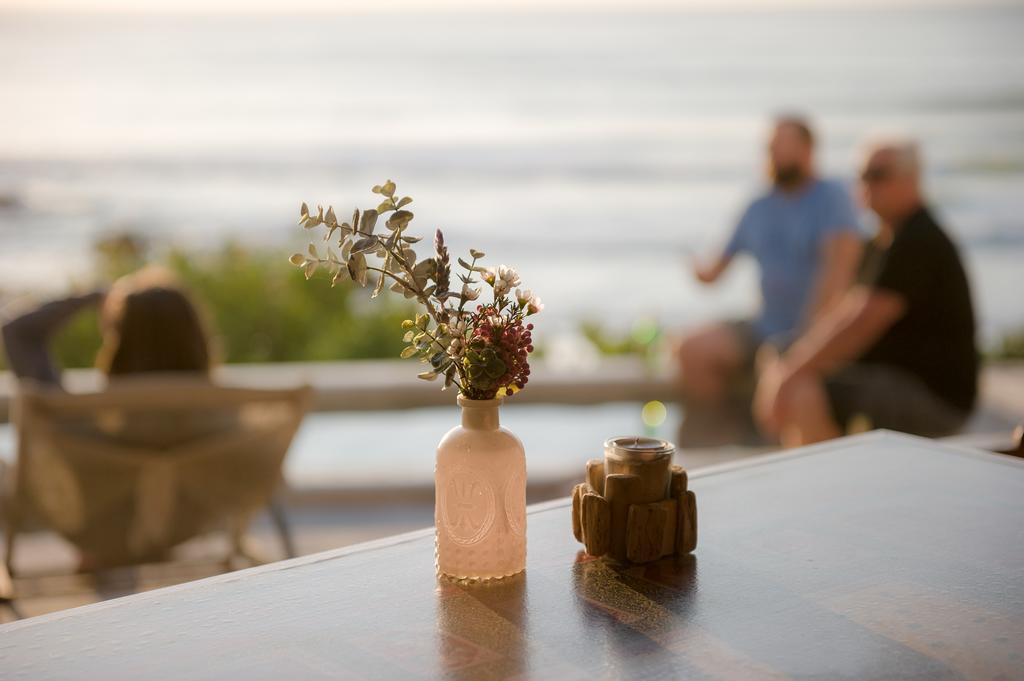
x=480, y=497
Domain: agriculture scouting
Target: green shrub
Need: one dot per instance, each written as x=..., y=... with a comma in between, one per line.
x=260, y=307
x=1011, y=346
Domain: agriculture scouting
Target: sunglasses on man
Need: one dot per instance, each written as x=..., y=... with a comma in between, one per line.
x=873, y=174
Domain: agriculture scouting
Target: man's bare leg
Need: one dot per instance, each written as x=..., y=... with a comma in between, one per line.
x=806, y=415
x=708, y=358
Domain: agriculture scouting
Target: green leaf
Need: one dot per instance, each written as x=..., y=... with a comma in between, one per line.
x=297, y=259
x=409, y=352
x=399, y=219
x=404, y=201
x=409, y=256
x=495, y=368
x=357, y=268
x=376, y=189
x=385, y=206
x=369, y=221
x=427, y=375
x=388, y=189
x=365, y=244
x=378, y=287
x=341, y=275
x=471, y=268
x=424, y=268
x=476, y=254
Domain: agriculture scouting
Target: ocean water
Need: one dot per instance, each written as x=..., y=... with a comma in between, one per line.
x=595, y=152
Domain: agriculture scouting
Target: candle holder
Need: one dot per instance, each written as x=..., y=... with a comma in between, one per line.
x=635, y=505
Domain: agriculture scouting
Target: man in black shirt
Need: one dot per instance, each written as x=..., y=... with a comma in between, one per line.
x=899, y=351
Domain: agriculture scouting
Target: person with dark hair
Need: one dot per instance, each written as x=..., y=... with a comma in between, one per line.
x=149, y=324
x=804, y=234
x=899, y=350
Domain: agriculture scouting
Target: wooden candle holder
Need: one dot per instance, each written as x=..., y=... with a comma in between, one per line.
x=638, y=515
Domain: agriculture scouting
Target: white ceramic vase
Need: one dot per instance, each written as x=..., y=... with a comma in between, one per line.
x=480, y=497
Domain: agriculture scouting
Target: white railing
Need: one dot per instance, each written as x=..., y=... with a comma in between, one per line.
x=378, y=385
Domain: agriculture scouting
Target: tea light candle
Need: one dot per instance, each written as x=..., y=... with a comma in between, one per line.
x=647, y=457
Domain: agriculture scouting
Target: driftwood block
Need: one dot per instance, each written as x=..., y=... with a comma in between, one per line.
x=668, y=540
x=682, y=518
x=678, y=483
x=634, y=507
x=595, y=475
x=621, y=492
x=596, y=523
x=645, y=532
x=577, y=523
x=687, y=533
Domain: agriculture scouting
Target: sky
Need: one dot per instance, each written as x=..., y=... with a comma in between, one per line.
x=300, y=6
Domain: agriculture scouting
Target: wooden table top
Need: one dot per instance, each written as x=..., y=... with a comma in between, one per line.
x=875, y=557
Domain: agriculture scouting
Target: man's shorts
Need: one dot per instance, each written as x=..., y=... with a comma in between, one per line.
x=747, y=341
x=750, y=341
x=892, y=398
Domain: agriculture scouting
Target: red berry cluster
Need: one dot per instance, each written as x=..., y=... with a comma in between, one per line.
x=512, y=341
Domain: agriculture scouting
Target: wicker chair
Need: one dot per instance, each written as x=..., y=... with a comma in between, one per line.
x=129, y=473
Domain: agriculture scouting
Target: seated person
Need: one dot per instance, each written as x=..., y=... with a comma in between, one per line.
x=899, y=349
x=149, y=324
x=805, y=237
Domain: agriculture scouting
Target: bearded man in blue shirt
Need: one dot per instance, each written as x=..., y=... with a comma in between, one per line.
x=804, y=234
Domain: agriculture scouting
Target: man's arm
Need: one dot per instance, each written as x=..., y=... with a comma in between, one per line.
x=841, y=335
x=840, y=256
x=845, y=333
x=708, y=273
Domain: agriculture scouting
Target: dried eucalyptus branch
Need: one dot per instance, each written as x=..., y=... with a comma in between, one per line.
x=484, y=353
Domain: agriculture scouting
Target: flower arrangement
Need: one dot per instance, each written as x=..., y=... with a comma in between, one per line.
x=482, y=348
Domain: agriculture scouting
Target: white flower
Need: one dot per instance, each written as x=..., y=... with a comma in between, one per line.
x=530, y=302
x=508, y=275
x=469, y=293
x=503, y=279
x=455, y=347
x=494, y=320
